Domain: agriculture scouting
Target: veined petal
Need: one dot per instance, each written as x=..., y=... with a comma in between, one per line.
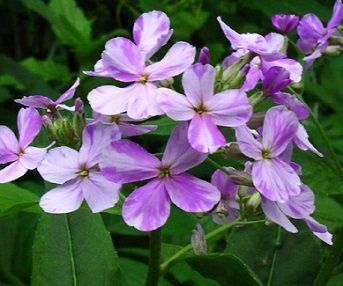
x=12, y=172
x=279, y=128
x=292, y=103
x=191, y=194
x=128, y=129
x=8, y=141
x=69, y=93
x=230, y=108
x=99, y=193
x=65, y=198
x=224, y=184
x=310, y=28
x=253, y=75
x=294, y=68
x=124, y=162
x=203, y=135
x=59, y=165
x=36, y=101
x=95, y=138
x=29, y=124
x=236, y=40
x=179, y=57
x=274, y=42
x=179, y=155
x=273, y=212
x=122, y=59
x=32, y=157
x=301, y=140
x=150, y=32
x=99, y=70
x=143, y=102
x=248, y=145
x=6, y=156
x=319, y=230
x=175, y=104
x=147, y=208
x=198, y=83
x=337, y=15
x=109, y=99
x=275, y=179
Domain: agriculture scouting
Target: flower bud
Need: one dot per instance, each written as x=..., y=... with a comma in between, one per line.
x=204, y=56
x=166, y=82
x=256, y=120
x=254, y=201
x=285, y=23
x=234, y=75
x=334, y=50
x=231, y=150
x=198, y=240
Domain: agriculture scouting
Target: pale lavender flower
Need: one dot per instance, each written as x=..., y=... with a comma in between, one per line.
x=205, y=109
x=78, y=175
x=272, y=177
x=18, y=152
x=124, y=123
x=127, y=61
x=314, y=37
x=148, y=207
x=228, y=206
x=285, y=23
x=269, y=54
x=38, y=101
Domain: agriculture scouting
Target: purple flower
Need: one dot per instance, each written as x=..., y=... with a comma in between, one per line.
x=38, y=101
x=123, y=122
x=299, y=207
x=18, y=152
x=126, y=61
x=275, y=79
x=228, y=206
x=147, y=207
x=206, y=111
x=272, y=177
x=204, y=56
x=285, y=23
x=314, y=38
x=78, y=174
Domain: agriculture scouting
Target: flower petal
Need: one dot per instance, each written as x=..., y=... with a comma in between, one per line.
x=275, y=179
x=310, y=27
x=273, y=212
x=12, y=172
x=122, y=59
x=59, y=165
x=319, y=230
x=230, y=108
x=191, y=194
x=109, y=99
x=147, y=208
x=279, y=128
x=175, y=104
x=224, y=184
x=248, y=145
x=8, y=141
x=128, y=129
x=65, y=198
x=337, y=15
x=99, y=70
x=32, y=157
x=99, y=193
x=179, y=57
x=143, y=102
x=292, y=103
x=292, y=66
x=203, y=135
x=36, y=101
x=124, y=162
x=69, y=93
x=95, y=138
x=301, y=140
x=179, y=155
x=150, y=32
x=198, y=83
x=29, y=124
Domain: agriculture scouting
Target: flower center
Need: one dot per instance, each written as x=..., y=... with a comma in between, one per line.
x=143, y=79
x=266, y=154
x=164, y=172
x=83, y=173
x=200, y=109
x=115, y=118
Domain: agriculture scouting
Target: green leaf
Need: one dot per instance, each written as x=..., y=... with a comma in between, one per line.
x=256, y=246
x=165, y=126
x=14, y=199
x=47, y=69
x=226, y=269
x=77, y=245
x=328, y=211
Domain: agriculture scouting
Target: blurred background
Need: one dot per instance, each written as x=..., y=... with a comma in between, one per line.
x=45, y=45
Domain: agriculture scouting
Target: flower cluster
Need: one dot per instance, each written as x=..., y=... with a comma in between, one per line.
x=90, y=158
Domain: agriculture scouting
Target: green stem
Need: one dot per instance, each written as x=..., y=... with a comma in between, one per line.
x=277, y=245
x=331, y=261
x=70, y=246
x=165, y=265
x=154, y=258
x=321, y=131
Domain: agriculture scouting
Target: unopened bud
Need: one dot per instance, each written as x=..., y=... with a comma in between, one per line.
x=204, y=56
x=166, y=82
x=254, y=201
x=232, y=150
x=198, y=240
x=241, y=178
x=234, y=74
x=79, y=106
x=333, y=50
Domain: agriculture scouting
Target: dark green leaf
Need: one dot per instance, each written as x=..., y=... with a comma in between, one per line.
x=77, y=245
